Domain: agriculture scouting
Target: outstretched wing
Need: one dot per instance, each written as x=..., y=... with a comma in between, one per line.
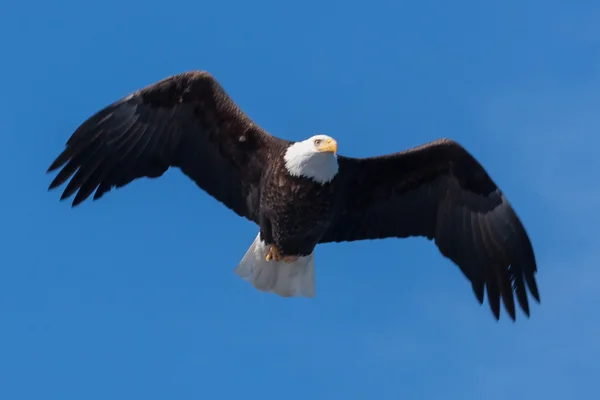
x=440, y=191
x=186, y=121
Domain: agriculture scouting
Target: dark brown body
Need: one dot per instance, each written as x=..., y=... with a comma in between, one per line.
x=295, y=212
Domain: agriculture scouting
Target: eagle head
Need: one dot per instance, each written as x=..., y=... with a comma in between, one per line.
x=314, y=158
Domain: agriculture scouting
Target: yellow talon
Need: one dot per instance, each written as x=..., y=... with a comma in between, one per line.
x=289, y=259
x=273, y=254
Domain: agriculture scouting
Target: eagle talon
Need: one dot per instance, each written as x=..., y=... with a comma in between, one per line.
x=273, y=254
x=289, y=259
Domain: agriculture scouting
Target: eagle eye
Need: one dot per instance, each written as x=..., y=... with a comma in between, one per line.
x=317, y=142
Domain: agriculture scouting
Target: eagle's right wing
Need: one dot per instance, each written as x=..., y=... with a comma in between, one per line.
x=441, y=192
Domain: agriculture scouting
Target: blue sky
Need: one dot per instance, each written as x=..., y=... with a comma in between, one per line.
x=134, y=296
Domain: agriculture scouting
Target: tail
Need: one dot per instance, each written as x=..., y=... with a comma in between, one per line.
x=294, y=279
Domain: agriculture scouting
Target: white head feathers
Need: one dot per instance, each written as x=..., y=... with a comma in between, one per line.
x=313, y=158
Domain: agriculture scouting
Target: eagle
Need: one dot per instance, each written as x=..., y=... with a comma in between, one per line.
x=303, y=193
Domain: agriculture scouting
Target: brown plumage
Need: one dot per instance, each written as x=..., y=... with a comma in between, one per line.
x=441, y=192
x=438, y=190
x=185, y=121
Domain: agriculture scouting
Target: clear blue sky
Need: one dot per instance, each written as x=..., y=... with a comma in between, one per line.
x=134, y=296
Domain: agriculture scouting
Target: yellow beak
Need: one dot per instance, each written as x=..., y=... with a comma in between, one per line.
x=330, y=145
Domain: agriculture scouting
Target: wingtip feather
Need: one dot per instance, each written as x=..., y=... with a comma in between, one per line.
x=478, y=290
x=533, y=289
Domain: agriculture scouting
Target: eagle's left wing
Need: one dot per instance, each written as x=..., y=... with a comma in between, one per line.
x=441, y=192
x=186, y=121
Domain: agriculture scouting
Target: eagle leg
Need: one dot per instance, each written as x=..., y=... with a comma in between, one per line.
x=289, y=259
x=273, y=254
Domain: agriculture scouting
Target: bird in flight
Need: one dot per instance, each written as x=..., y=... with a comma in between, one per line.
x=301, y=194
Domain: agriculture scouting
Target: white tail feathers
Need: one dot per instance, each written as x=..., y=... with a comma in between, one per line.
x=293, y=279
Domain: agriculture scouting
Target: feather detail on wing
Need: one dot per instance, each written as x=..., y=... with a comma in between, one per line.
x=185, y=121
x=441, y=192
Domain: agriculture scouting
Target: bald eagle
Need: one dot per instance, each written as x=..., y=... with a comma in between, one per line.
x=301, y=194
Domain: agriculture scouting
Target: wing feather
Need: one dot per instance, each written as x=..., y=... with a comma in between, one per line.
x=185, y=121
x=441, y=192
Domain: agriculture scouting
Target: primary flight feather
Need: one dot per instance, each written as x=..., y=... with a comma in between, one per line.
x=303, y=193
